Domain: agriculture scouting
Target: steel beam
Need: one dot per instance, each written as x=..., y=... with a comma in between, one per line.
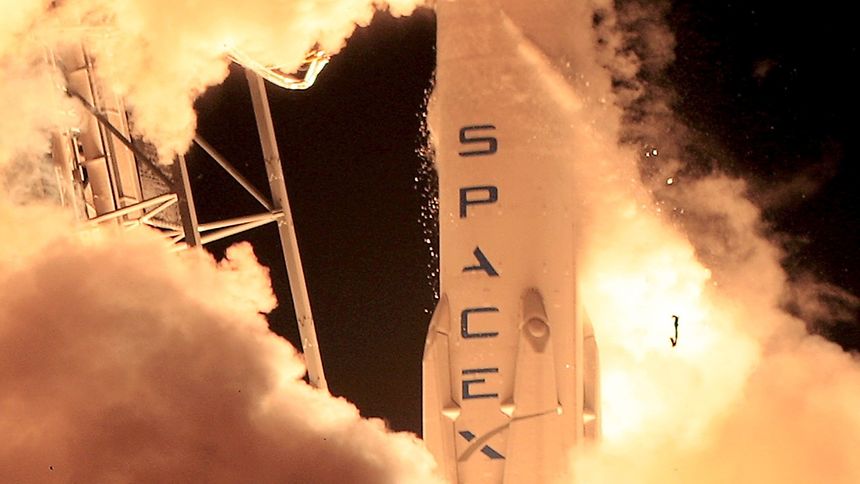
x=246, y=184
x=233, y=222
x=233, y=230
x=286, y=230
x=182, y=186
x=161, y=201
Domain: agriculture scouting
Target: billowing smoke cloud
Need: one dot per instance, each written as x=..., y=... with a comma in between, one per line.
x=122, y=361
x=159, y=54
x=747, y=395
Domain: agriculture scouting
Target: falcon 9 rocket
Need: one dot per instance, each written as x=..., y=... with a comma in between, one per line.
x=510, y=370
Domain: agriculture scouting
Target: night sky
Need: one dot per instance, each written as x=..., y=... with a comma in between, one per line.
x=764, y=86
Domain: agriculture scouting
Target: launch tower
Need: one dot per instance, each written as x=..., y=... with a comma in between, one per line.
x=109, y=177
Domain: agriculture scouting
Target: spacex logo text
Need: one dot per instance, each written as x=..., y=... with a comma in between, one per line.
x=476, y=140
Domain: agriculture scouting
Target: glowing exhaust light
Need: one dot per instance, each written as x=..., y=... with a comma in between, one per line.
x=307, y=74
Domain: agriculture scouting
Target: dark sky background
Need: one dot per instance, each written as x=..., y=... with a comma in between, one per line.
x=765, y=85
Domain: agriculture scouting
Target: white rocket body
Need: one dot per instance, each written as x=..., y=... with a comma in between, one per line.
x=510, y=365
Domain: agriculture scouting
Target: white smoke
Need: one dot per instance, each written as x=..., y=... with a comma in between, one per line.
x=159, y=54
x=122, y=361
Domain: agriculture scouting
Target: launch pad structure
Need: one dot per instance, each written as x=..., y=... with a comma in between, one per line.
x=110, y=178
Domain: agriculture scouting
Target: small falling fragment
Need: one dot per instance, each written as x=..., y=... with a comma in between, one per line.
x=674, y=340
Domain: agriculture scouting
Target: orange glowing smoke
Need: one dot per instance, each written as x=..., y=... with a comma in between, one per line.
x=159, y=54
x=747, y=395
x=122, y=361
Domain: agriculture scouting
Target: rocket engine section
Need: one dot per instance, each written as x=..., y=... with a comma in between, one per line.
x=510, y=364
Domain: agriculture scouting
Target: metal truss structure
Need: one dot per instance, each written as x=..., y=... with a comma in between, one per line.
x=108, y=177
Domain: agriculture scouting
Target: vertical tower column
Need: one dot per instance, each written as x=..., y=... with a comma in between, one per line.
x=286, y=230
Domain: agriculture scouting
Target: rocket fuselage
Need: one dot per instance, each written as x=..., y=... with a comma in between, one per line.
x=510, y=365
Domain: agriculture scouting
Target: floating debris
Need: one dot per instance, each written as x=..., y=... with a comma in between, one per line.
x=675, y=339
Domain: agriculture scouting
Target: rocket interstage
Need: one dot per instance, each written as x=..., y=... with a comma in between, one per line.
x=510, y=365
